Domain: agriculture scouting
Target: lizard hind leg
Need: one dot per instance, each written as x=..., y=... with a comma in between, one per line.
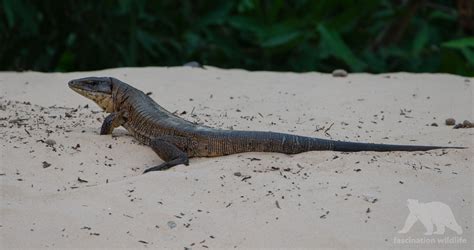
x=168, y=152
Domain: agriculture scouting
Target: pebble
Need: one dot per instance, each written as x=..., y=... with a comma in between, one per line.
x=369, y=198
x=467, y=124
x=238, y=174
x=339, y=73
x=46, y=164
x=50, y=142
x=450, y=121
x=459, y=125
x=171, y=224
x=193, y=64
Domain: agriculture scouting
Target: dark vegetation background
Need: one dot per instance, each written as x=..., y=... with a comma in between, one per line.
x=297, y=35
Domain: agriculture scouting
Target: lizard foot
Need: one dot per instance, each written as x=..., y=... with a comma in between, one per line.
x=168, y=165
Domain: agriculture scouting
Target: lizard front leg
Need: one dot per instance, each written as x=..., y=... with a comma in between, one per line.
x=114, y=120
x=167, y=150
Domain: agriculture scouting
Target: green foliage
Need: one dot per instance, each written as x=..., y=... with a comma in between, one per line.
x=299, y=35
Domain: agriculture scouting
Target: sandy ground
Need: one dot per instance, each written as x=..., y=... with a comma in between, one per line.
x=88, y=190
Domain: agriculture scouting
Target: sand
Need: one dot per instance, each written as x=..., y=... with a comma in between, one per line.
x=64, y=185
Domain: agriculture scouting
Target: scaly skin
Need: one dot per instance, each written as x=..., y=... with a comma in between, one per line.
x=175, y=139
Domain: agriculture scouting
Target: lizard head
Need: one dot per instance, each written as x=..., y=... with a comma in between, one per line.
x=98, y=89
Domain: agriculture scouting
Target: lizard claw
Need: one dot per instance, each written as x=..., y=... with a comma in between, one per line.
x=156, y=168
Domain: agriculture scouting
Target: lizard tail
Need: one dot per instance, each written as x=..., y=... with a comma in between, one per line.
x=255, y=141
x=298, y=144
x=356, y=146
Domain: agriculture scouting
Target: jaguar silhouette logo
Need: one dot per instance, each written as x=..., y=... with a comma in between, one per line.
x=432, y=213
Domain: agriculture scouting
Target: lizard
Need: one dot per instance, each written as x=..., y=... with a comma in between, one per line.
x=175, y=139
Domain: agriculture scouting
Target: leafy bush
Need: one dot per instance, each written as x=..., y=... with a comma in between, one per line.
x=299, y=35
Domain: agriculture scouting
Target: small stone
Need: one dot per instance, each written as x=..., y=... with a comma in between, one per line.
x=369, y=198
x=171, y=224
x=238, y=174
x=459, y=125
x=450, y=121
x=50, y=142
x=193, y=64
x=46, y=164
x=434, y=124
x=467, y=124
x=339, y=73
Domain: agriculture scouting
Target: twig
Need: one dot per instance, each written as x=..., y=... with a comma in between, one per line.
x=326, y=130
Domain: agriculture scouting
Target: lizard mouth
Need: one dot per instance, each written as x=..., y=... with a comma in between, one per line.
x=92, y=84
x=97, y=91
